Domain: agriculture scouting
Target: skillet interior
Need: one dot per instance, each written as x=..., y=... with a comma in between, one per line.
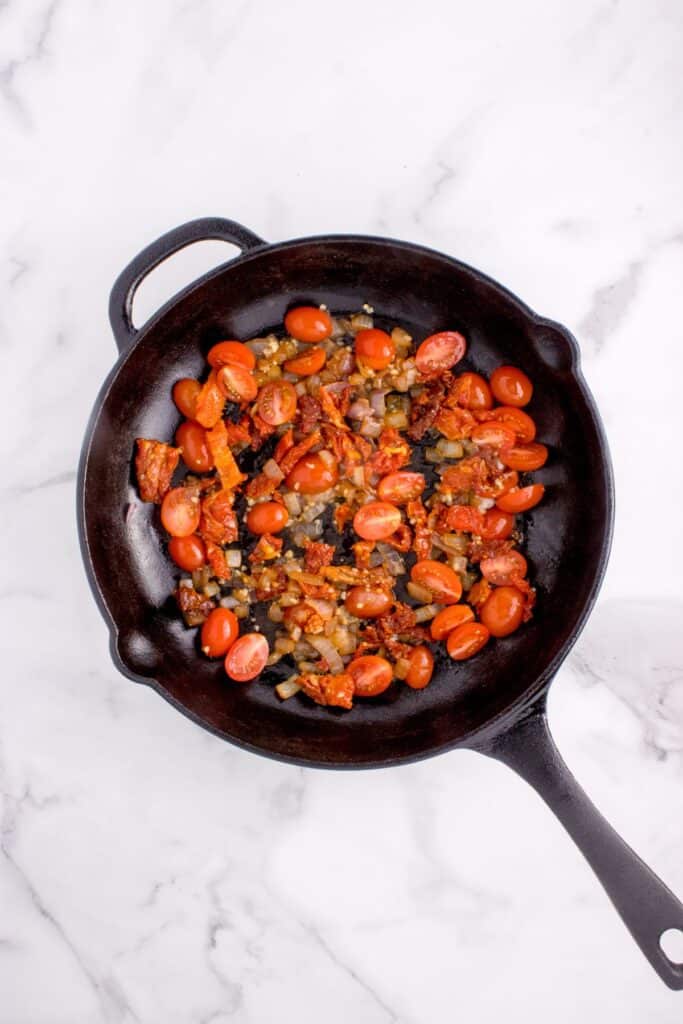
x=567, y=536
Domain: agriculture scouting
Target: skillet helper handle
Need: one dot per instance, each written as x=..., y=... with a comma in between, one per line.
x=647, y=907
x=128, y=281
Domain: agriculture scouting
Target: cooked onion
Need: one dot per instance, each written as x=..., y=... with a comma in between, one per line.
x=327, y=650
x=361, y=322
x=228, y=602
x=233, y=558
x=401, y=668
x=449, y=449
x=325, y=609
x=427, y=612
x=292, y=503
x=418, y=592
x=360, y=409
x=273, y=471
x=287, y=688
x=371, y=427
x=378, y=403
x=398, y=420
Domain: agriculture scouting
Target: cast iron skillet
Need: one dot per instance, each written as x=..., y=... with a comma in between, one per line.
x=495, y=704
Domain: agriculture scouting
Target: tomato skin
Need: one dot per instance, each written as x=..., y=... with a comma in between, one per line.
x=313, y=473
x=367, y=604
x=506, y=482
x=401, y=487
x=520, y=421
x=472, y=392
x=192, y=439
x=521, y=499
x=374, y=348
x=188, y=553
x=377, y=520
x=180, y=512
x=497, y=525
x=267, y=517
x=231, y=352
x=247, y=657
x=371, y=675
x=277, y=402
x=219, y=632
x=525, y=457
x=443, y=581
x=510, y=386
x=421, y=668
x=237, y=382
x=504, y=568
x=449, y=619
x=467, y=640
x=185, y=393
x=440, y=352
x=308, y=323
x=494, y=435
x=307, y=364
x=502, y=612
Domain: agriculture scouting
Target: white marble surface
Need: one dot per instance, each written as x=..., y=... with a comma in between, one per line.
x=149, y=872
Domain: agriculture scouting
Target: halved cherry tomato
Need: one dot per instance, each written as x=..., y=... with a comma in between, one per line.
x=307, y=364
x=525, y=457
x=494, y=435
x=314, y=473
x=308, y=323
x=276, y=402
x=421, y=668
x=440, y=352
x=219, y=632
x=188, y=553
x=467, y=640
x=371, y=675
x=377, y=520
x=449, y=619
x=504, y=568
x=374, y=348
x=443, y=581
x=510, y=386
x=267, y=517
x=237, y=382
x=472, y=392
x=185, y=393
x=521, y=499
x=180, y=512
x=247, y=657
x=502, y=612
x=192, y=439
x=520, y=421
x=231, y=352
x=367, y=604
x=506, y=482
x=497, y=525
x=401, y=487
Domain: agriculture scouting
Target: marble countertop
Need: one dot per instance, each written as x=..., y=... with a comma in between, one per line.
x=149, y=872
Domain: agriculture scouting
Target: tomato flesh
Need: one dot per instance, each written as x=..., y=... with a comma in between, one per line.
x=467, y=640
x=377, y=520
x=371, y=675
x=472, y=392
x=374, y=348
x=267, y=517
x=237, y=382
x=520, y=421
x=192, y=439
x=401, y=487
x=367, y=604
x=188, y=553
x=185, y=394
x=440, y=352
x=219, y=632
x=504, y=568
x=231, y=352
x=521, y=499
x=443, y=581
x=494, y=435
x=502, y=612
x=247, y=657
x=449, y=619
x=313, y=473
x=497, y=525
x=180, y=512
x=525, y=458
x=421, y=668
x=510, y=386
x=308, y=323
x=307, y=364
x=277, y=402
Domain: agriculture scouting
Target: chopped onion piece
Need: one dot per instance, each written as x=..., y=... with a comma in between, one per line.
x=378, y=403
x=273, y=471
x=228, y=602
x=401, y=668
x=284, y=645
x=432, y=455
x=371, y=427
x=275, y=613
x=398, y=420
x=327, y=650
x=211, y=589
x=449, y=449
x=288, y=688
x=360, y=409
x=325, y=609
x=292, y=503
x=418, y=592
x=233, y=558
x=427, y=612
x=361, y=322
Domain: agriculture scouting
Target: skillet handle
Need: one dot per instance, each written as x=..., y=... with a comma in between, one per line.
x=647, y=907
x=128, y=281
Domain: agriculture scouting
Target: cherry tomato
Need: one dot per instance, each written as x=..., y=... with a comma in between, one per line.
x=308, y=323
x=510, y=386
x=374, y=348
x=506, y=482
x=371, y=675
x=188, y=553
x=401, y=487
x=219, y=632
x=443, y=581
x=192, y=439
x=494, y=435
x=247, y=657
x=307, y=364
x=497, y=525
x=314, y=473
x=450, y=618
x=231, y=352
x=180, y=512
x=377, y=520
x=367, y=604
x=521, y=499
x=466, y=640
x=525, y=457
x=421, y=668
x=267, y=517
x=185, y=393
x=504, y=568
x=440, y=352
x=472, y=392
x=237, y=382
x=277, y=402
x=520, y=421
x=502, y=612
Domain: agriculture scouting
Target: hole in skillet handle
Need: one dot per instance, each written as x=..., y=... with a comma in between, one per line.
x=671, y=945
x=202, y=230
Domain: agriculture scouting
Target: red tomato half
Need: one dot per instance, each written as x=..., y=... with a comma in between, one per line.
x=440, y=352
x=367, y=604
x=219, y=632
x=467, y=640
x=185, y=393
x=504, y=568
x=502, y=612
x=188, y=553
x=314, y=473
x=497, y=525
x=374, y=348
x=521, y=499
x=247, y=657
x=401, y=487
x=192, y=439
x=520, y=421
x=525, y=457
x=277, y=402
x=494, y=435
x=449, y=619
x=307, y=364
x=237, y=382
x=377, y=520
x=180, y=512
x=308, y=323
x=371, y=675
x=267, y=517
x=231, y=352
x=421, y=668
x=443, y=581
x=510, y=386
x=472, y=392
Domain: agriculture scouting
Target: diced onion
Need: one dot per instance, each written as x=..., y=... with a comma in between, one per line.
x=211, y=589
x=273, y=471
x=327, y=650
x=360, y=409
x=233, y=558
x=418, y=592
x=398, y=420
x=378, y=403
x=371, y=427
x=361, y=322
x=427, y=612
x=432, y=455
x=401, y=668
x=325, y=609
x=288, y=688
x=228, y=602
x=300, y=388
x=292, y=503
x=449, y=449
x=258, y=345
x=275, y=613
x=284, y=645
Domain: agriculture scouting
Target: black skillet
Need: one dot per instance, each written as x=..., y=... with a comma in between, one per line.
x=495, y=704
